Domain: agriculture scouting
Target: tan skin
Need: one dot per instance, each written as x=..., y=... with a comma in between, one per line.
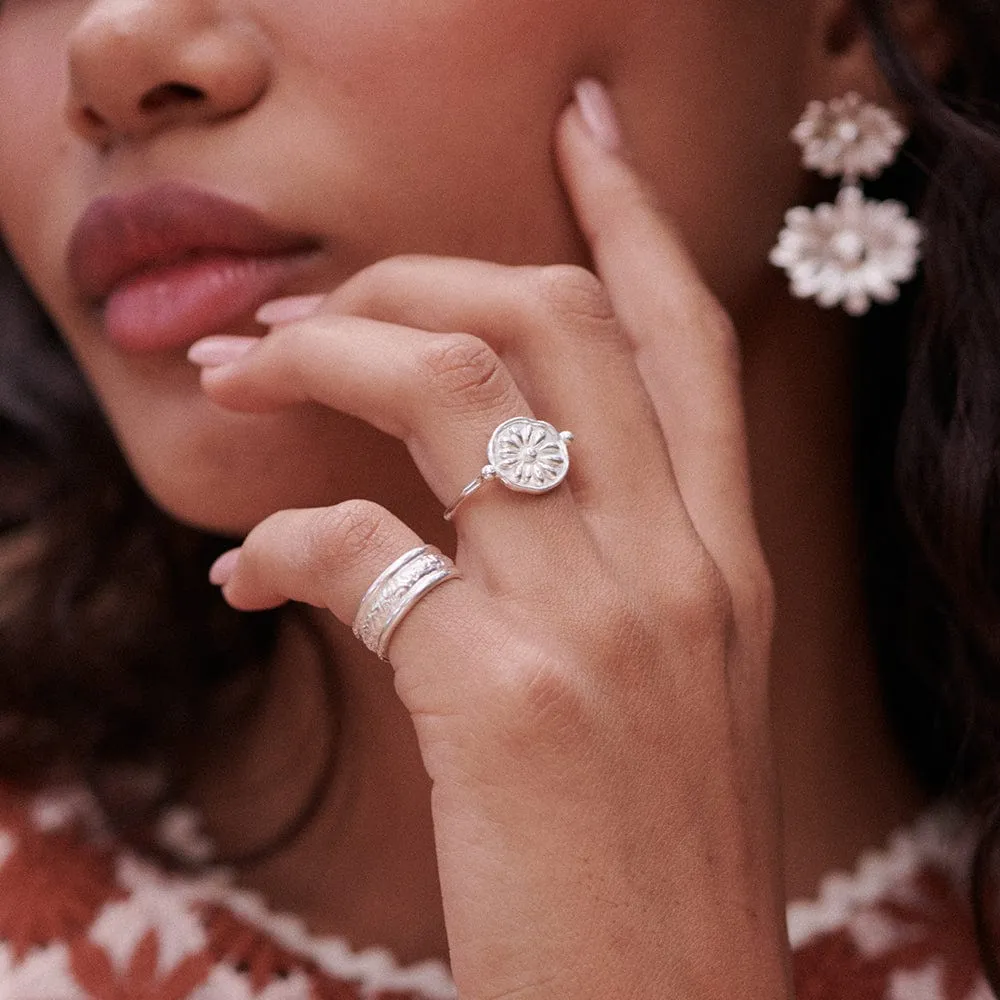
x=569, y=780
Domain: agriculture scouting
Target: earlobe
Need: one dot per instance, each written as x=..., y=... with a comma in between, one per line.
x=843, y=28
x=846, y=54
x=929, y=36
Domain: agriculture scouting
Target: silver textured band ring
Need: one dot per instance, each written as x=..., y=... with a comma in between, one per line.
x=526, y=455
x=395, y=591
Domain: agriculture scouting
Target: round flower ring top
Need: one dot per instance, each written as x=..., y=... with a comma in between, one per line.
x=529, y=455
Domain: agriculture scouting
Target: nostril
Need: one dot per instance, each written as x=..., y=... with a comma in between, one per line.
x=167, y=94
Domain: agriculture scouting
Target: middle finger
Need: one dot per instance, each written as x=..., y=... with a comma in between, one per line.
x=555, y=328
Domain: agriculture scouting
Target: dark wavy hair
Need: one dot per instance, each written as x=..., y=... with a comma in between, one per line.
x=114, y=648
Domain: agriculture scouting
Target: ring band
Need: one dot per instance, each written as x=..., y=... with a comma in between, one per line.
x=395, y=591
x=526, y=455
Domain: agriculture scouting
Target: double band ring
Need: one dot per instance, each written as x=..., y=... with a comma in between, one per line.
x=526, y=455
x=395, y=591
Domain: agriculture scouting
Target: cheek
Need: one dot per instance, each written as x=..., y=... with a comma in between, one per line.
x=440, y=117
x=224, y=471
x=39, y=188
x=708, y=124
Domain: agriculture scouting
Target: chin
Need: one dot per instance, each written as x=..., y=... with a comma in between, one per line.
x=226, y=474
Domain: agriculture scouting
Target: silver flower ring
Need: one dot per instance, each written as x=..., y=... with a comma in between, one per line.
x=526, y=455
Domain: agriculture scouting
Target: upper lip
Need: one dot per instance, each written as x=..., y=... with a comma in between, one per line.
x=119, y=236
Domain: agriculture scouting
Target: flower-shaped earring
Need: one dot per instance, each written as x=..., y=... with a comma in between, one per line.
x=857, y=250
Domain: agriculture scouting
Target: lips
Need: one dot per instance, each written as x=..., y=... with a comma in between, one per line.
x=173, y=263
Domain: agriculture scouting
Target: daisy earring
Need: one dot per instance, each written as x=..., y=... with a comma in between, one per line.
x=857, y=250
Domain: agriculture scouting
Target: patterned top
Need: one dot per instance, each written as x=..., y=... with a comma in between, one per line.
x=84, y=918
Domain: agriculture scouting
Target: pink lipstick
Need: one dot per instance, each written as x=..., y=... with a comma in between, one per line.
x=173, y=263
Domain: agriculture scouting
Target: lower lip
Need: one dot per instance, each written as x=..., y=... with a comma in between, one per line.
x=172, y=307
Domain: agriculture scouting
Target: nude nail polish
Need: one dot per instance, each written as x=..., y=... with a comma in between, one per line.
x=222, y=568
x=598, y=112
x=289, y=309
x=210, y=352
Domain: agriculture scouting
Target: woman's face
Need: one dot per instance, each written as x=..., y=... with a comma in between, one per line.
x=374, y=128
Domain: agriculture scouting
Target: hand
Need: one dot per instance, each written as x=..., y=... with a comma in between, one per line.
x=591, y=698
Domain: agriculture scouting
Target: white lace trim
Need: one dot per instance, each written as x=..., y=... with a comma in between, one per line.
x=374, y=968
x=942, y=836
x=159, y=901
x=164, y=903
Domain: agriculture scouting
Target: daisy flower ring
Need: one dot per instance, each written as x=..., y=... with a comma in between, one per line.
x=524, y=454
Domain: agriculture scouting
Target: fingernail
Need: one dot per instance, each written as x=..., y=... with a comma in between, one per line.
x=289, y=309
x=598, y=111
x=209, y=352
x=222, y=568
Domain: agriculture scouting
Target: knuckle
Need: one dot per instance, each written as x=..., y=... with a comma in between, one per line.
x=289, y=344
x=629, y=628
x=698, y=601
x=364, y=291
x=568, y=293
x=706, y=314
x=384, y=273
x=365, y=287
x=466, y=372
x=545, y=701
x=717, y=320
x=345, y=533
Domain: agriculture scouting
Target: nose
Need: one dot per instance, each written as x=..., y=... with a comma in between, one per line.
x=137, y=67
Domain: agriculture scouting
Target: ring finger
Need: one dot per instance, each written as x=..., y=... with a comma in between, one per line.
x=329, y=556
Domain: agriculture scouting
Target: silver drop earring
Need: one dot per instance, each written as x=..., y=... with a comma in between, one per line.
x=857, y=250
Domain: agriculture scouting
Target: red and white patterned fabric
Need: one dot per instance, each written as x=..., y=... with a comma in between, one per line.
x=84, y=918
